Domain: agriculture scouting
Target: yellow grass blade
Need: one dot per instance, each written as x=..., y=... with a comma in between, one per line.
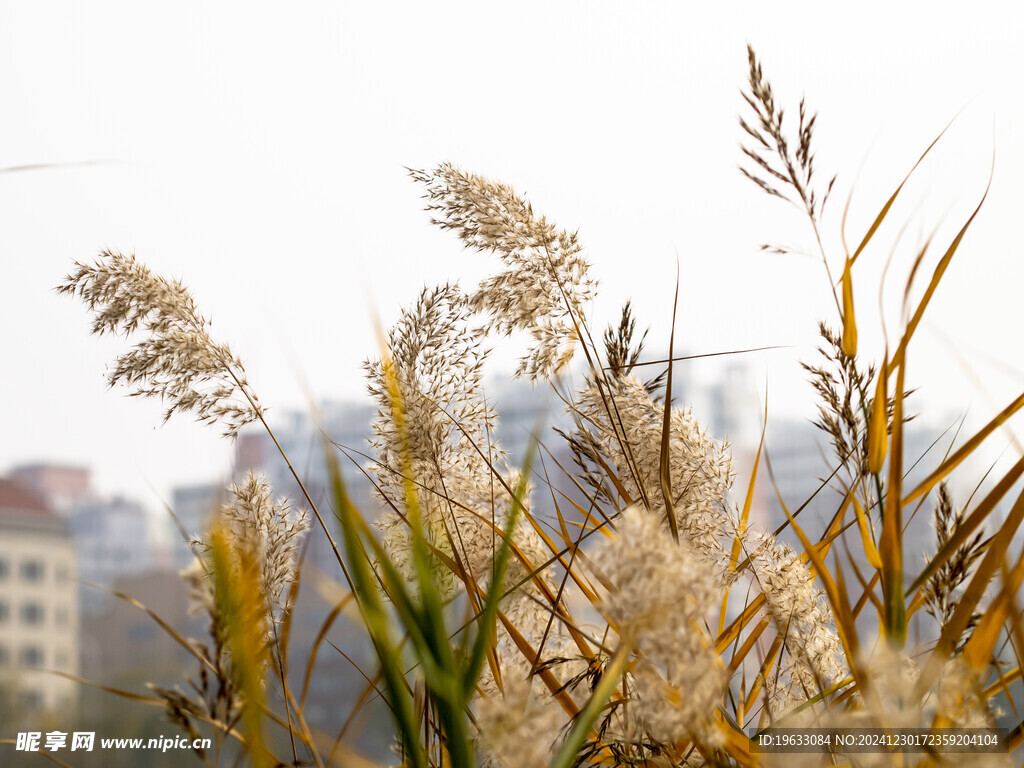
x=964, y=451
x=978, y=651
x=544, y=673
x=748, y=502
x=878, y=427
x=891, y=548
x=867, y=589
x=940, y=269
x=971, y=523
x=1002, y=684
x=242, y=604
x=762, y=673
x=869, y=594
x=849, y=319
x=743, y=650
x=892, y=199
x=737, y=746
x=726, y=638
x=867, y=539
x=845, y=625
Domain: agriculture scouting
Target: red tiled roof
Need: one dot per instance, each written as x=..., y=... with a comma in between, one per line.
x=15, y=497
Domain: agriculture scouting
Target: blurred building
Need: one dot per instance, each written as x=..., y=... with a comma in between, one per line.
x=38, y=604
x=193, y=507
x=803, y=461
x=113, y=539
x=345, y=426
x=62, y=486
x=722, y=398
x=113, y=536
x=122, y=646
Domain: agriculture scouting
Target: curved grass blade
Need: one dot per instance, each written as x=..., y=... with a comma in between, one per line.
x=892, y=198
x=940, y=269
x=566, y=756
x=664, y=474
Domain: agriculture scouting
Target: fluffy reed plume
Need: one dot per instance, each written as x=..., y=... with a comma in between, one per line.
x=259, y=531
x=176, y=360
x=545, y=286
x=435, y=449
x=443, y=438
x=435, y=430
x=661, y=595
x=269, y=533
x=802, y=616
x=516, y=726
x=624, y=423
x=241, y=581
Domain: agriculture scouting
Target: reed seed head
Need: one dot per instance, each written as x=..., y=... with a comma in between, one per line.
x=176, y=360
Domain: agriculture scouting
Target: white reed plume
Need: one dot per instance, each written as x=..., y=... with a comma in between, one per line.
x=518, y=729
x=444, y=437
x=625, y=424
x=176, y=361
x=434, y=423
x=802, y=616
x=661, y=594
x=545, y=286
x=266, y=532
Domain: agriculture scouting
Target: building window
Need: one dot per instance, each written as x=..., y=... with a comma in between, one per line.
x=32, y=699
x=32, y=613
x=31, y=656
x=32, y=570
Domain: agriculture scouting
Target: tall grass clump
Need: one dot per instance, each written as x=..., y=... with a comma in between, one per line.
x=649, y=621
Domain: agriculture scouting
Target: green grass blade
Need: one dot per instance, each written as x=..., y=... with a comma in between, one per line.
x=375, y=617
x=566, y=756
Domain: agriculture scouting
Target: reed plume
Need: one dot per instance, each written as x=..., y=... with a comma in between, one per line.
x=176, y=361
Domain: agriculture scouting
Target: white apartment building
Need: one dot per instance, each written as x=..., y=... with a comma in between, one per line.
x=38, y=605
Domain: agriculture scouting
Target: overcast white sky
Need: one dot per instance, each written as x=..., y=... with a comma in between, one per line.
x=257, y=151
